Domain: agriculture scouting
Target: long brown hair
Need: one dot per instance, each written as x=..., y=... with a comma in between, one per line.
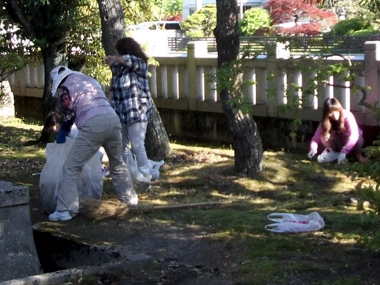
x=330, y=105
x=128, y=45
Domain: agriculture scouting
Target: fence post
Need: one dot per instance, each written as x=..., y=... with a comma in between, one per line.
x=194, y=50
x=275, y=94
x=371, y=58
x=7, y=101
x=40, y=75
x=191, y=73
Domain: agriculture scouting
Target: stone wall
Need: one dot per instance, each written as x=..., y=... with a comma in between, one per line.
x=207, y=126
x=28, y=107
x=202, y=126
x=274, y=132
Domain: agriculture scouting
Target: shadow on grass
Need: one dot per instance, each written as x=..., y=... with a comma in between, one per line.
x=230, y=237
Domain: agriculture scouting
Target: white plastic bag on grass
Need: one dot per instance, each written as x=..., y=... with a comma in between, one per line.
x=90, y=181
x=137, y=174
x=293, y=223
x=155, y=168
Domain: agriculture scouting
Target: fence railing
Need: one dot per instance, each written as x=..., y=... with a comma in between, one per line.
x=180, y=82
x=296, y=45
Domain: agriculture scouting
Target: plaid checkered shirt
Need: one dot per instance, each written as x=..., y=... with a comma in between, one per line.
x=131, y=97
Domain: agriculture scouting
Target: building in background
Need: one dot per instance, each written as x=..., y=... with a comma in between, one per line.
x=190, y=6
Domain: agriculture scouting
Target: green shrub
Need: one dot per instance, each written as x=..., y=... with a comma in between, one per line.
x=195, y=34
x=368, y=190
x=256, y=21
x=350, y=26
x=202, y=23
x=365, y=33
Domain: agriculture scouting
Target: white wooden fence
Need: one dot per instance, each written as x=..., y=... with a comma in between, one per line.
x=180, y=83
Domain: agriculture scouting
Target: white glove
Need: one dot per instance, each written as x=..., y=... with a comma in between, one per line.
x=341, y=158
x=312, y=153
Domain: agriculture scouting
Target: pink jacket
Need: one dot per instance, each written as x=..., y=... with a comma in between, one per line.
x=352, y=133
x=87, y=98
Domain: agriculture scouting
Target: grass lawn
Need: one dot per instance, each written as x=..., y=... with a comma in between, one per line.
x=203, y=174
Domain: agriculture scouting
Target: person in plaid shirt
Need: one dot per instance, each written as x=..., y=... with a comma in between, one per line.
x=131, y=99
x=84, y=103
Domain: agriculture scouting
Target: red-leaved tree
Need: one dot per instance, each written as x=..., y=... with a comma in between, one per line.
x=175, y=18
x=297, y=17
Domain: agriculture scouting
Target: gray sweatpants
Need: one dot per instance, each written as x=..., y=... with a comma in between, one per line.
x=102, y=130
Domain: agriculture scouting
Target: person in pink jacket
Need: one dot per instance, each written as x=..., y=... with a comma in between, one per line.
x=84, y=103
x=339, y=134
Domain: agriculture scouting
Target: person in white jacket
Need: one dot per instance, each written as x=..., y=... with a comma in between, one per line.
x=84, y=103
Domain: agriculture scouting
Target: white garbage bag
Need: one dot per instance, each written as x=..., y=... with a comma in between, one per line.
x=90, y=181
x=288, y=222
x=144, y=174
x=155, y=168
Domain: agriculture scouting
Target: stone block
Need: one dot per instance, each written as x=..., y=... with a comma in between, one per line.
x=18, y=257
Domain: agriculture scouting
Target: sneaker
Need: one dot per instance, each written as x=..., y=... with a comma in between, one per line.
x=60, y=216
x=133, y=201
x=328, y=155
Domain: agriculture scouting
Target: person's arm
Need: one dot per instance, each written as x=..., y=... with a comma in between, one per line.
x=68, y=116
x=67, y=110
x=133, y=63
x=316, y=139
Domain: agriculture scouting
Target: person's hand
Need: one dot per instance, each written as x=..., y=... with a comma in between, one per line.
x=341, y=158
x=109, y=60
x=61, y=136
x=312, y=153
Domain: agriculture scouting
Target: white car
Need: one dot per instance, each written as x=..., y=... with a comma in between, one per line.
x=155, y=35
x=157, y=25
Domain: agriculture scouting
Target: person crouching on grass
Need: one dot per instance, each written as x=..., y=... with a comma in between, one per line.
x=339, y=134
x=84, y=103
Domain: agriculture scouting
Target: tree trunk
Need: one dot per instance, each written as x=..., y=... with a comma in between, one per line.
x=113, y=24
x=159, y=148
x=113, y=28
x=51, y=58
x=246, y=139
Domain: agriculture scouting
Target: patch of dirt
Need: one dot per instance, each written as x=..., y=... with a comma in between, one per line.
x=179, y=254
x=184, y=253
